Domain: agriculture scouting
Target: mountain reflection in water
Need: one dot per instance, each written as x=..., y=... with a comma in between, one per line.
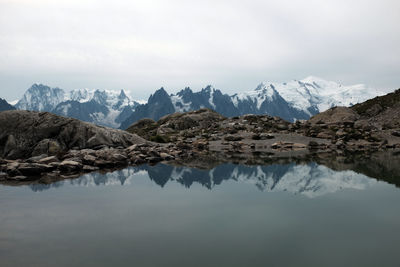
x=309, y=179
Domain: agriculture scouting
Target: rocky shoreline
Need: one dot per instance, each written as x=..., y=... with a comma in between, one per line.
x=46, y=168
x=76, y=162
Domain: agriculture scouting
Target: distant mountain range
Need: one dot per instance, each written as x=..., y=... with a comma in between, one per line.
x=294, y=100
x=103, y=107
x=291, y=101
x=4, y=105
x=311, y=180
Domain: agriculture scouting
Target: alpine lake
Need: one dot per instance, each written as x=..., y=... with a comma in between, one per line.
x=342, y=212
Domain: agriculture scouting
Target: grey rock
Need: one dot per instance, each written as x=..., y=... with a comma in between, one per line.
x=153, y=159
x=87, y=168
x=33, y=169
x=19, y=178
x=282, y=127
x=233, y=138
x=37, y=158
x=118, y=157
x=166, y=156
x=70, y=166
x=313, y=144
x=3, y=175
x=27, y=133
x=89, y=159
x=396, y=133
x=48, y=160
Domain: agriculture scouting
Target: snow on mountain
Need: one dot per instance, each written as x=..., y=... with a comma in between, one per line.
x=262, y=93
x=14, y=102
x=81, y=95
x=102, y=107
x=293, y=100
x=40, y=97
x=311, y=95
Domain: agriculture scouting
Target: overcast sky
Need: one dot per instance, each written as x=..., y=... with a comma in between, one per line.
x=233, y=45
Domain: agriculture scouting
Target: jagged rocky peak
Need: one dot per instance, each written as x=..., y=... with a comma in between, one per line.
x=123, y=101
x=158, y=95
x=122, y=95
x=81, y=95
x=41, y=97
x=100, y=97
x=208, y=89
x=103, y=97
x=267, y=90
x=4, y=105
x=185, y=94
x=185, y=91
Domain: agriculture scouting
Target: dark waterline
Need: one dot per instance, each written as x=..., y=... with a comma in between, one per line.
x=232, y=215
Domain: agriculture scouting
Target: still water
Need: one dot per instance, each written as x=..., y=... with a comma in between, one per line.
x=231, y=215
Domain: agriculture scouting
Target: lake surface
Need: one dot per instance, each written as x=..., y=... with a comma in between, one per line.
x=231, y=215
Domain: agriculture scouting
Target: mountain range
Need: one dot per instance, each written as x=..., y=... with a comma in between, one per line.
x=4, y=105
x=294, y=100
x=103, y=107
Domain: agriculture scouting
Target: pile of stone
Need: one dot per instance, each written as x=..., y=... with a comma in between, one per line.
x=347, y=129
x=76, y=162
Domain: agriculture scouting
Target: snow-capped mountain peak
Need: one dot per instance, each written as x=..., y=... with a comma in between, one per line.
x=41, y=98
x=312, y=94
x=265, y=91
x=292, y=100
x=102, y=107
x=81, y=95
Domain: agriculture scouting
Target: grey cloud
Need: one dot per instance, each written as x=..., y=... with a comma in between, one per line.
x=234, y=45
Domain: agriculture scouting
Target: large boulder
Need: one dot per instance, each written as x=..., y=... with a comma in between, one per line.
x=28, y=133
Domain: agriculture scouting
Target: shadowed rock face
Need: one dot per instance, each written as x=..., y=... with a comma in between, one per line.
x=4, y=105
x=27, y=133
